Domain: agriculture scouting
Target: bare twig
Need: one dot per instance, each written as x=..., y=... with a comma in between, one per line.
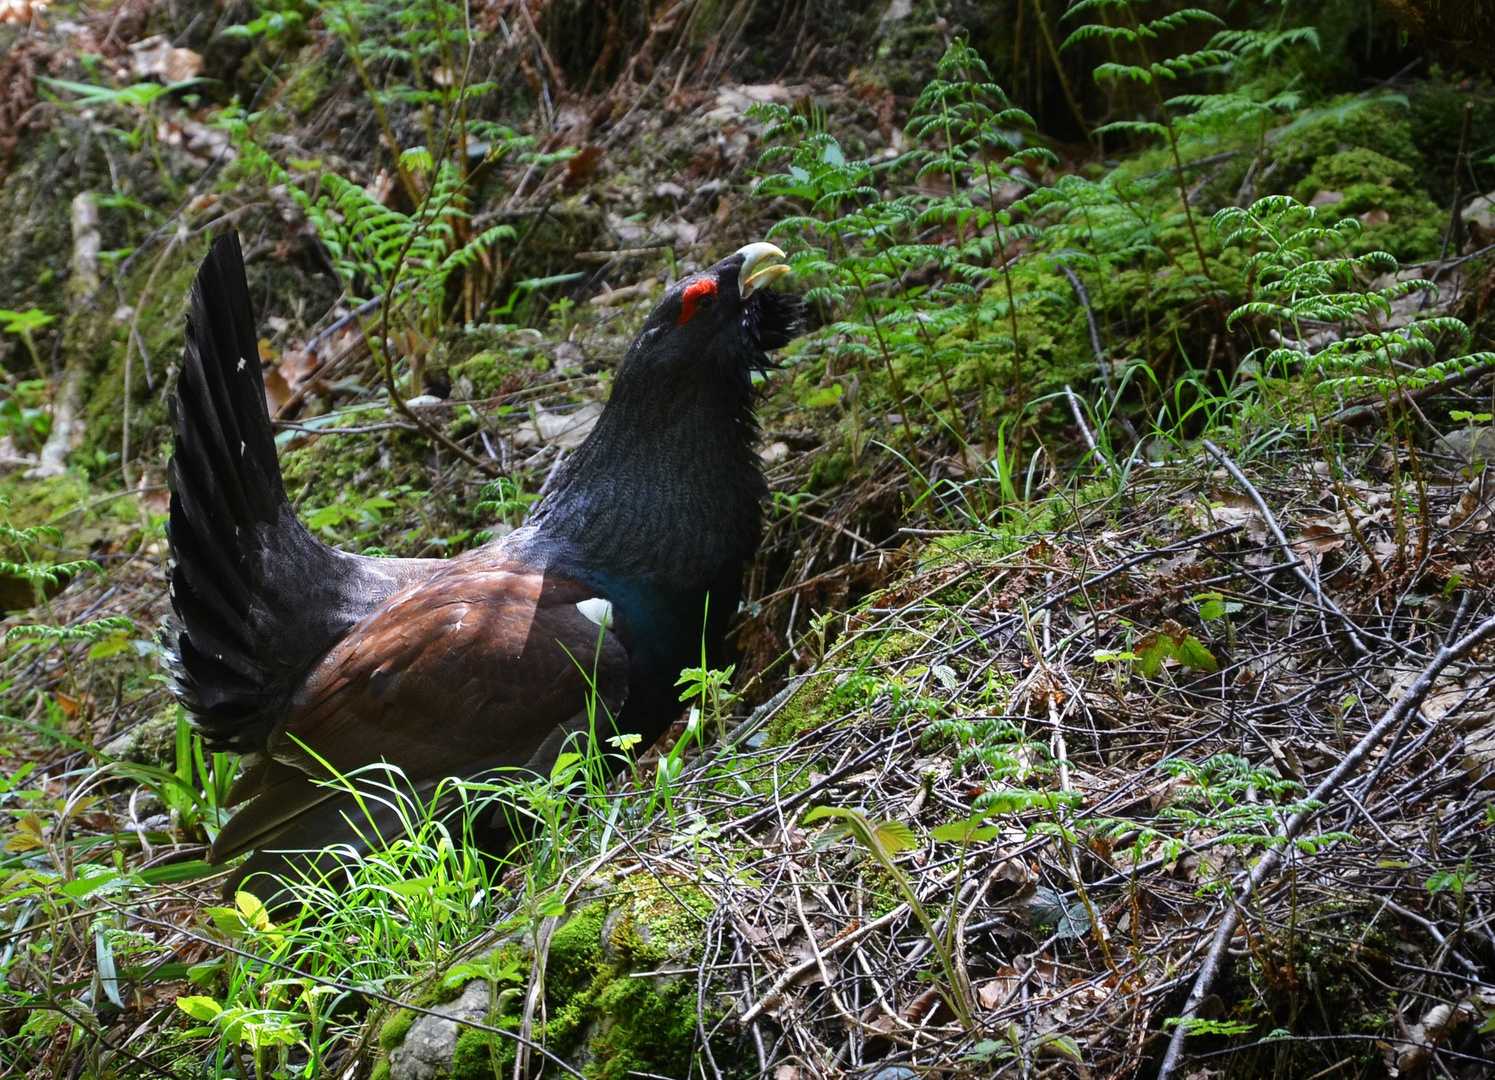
x=1102, y=361
x=1295, y=561
x=1078, y=414
x=1313, y=804
x=831, y=947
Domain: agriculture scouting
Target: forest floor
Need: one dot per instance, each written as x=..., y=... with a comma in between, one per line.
x=1113, y=692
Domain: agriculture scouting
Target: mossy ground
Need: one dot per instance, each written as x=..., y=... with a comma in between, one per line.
x=1393, y=162
x=619, y=996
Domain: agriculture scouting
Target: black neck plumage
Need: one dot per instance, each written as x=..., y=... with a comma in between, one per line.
x=668, y=487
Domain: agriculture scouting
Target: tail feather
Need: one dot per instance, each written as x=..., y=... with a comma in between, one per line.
x=256, y=598
x=226, y=485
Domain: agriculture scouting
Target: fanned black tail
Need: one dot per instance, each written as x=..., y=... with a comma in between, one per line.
x=257, y=598
x=226, y=489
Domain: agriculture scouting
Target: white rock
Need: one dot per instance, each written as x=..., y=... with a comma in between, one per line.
x=774, y=452
x=1481, y=211
x=566, y=430
x=429, y=1046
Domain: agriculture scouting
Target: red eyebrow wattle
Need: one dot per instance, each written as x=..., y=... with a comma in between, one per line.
x=694, y=291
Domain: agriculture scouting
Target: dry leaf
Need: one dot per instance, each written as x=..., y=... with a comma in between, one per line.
x=1316, y=541
x=155, y=56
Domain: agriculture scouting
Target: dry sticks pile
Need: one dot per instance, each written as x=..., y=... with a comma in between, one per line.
x=1236, y=780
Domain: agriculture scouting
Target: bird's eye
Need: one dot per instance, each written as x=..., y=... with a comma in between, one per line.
x=698, y=296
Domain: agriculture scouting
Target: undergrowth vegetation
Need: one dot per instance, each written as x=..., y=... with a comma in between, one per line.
x=1054, y=742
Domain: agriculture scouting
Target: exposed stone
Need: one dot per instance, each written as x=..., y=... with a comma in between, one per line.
x=1464, y=445
x=150, y=742
x=1480, y=211
x=566, y=430
x=428, y=1047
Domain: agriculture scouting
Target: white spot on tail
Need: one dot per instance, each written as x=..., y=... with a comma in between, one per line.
x=598, y=610
x=241, y=364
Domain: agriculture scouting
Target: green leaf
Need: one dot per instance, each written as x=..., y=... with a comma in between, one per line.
x=1213, y=606
x=825, y=397
x=964, y=832
x=416, y=886
x=831, y=836
x=1060, y=1045
x=324, y=518
x=199, y=1007
x=21, y=322
x=1173, y=643
x=1192, y=653
x=417, y=159
x=104, y=959
x=110, y=646
x=1047, y=909
x=97, y=878
x=895, y=836
x=253, y=911
x=824, y=812
x=176, y=872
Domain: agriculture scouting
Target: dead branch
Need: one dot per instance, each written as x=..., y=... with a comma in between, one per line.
x=1314, y=803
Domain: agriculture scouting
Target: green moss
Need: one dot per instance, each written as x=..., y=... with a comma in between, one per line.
x=596, y=1010
x=151, y=742
x=42, y=500
x=391, y=1033
x=36, y=237
x=804, y=711
x=327, y=463
x=1375, y=186
x=105, y=341
x=575, y=953
x=829, y=470
x=307, y=86
x=1346, y=123
x=395, y=1028
x=1333, y=990
x=660, y=925
x=644, y=1030
x=475, y=1057
x=493, y=372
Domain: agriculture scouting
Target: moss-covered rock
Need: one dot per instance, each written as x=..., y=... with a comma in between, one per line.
x=150, y=742
x=493, y=372
x=619, y=996
x=427, y=1047
x=1382, y=194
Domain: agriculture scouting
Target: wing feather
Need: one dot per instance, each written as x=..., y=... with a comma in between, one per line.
x=465, y=673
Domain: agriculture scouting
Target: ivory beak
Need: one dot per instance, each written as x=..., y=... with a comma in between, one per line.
x=756, y=271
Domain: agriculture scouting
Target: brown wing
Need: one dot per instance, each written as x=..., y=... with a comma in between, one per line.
x=471, y=670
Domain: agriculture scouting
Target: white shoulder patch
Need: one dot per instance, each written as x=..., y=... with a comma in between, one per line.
x=598, y=610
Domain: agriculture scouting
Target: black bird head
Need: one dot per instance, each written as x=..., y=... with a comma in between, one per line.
x=669, y=482
x=717, y=324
